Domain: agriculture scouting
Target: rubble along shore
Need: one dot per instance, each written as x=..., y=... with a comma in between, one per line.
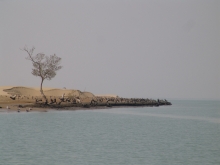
x=98, y=104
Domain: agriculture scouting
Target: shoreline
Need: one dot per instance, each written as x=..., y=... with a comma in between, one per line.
x=46, y=108
x=26, y=99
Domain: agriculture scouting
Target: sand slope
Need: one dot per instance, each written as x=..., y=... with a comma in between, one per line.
x=28, y=94
x=22, y=91
x=3, y=92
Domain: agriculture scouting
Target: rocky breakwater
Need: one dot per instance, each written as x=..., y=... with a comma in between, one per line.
x=85, y=101
x=95, y=102
x=119, y=101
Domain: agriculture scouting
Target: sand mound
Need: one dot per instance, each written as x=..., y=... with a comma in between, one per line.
x=27, y=91
x=29, y=94
x=107, y=95
x=68, y=92
x=22, y=91
x=3, y=93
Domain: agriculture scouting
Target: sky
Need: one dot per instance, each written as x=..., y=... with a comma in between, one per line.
x=132, y=48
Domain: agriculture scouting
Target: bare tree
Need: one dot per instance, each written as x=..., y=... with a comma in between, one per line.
x=43, y=66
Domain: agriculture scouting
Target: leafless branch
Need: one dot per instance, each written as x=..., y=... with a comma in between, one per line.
x=43, y=66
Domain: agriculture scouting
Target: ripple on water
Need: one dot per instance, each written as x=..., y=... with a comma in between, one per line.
x=114, y=136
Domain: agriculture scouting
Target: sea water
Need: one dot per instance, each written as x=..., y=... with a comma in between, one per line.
x=186, y=133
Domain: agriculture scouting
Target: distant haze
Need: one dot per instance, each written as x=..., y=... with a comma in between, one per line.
x=132, y=48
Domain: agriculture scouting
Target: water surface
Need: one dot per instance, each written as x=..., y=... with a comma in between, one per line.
x=185, y=133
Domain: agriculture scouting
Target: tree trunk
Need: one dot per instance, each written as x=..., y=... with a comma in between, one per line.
x=42, y=92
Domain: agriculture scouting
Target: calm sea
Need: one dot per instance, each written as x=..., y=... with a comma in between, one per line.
x=186, y=133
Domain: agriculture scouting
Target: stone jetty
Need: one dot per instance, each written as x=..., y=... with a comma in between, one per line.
x=62, y=102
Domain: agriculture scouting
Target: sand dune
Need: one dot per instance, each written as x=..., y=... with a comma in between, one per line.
x=22, y=91
x=28, y=94
x=3, y=92
x=33, y=91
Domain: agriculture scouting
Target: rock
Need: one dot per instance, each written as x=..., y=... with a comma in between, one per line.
x=20, y=106
x=109, y=105
x=86, y=106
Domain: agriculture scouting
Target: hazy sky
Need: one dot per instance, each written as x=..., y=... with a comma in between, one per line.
x=133, y=48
